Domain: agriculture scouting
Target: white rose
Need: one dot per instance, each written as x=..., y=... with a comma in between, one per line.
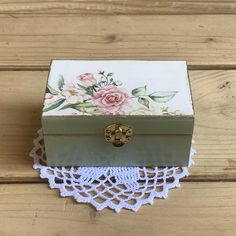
x=72, y=94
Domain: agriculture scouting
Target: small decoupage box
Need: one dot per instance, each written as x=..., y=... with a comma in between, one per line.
x=118, y=113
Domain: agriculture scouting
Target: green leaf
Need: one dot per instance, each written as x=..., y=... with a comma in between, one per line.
x=84, y=105
x=89, y=90
x=143, y=101
x=141, y=91
x=109, y=74
x=82, y=87
x=87, y=107
x=60, y=82
x=54, y=105
x=90, y=110
x=162, y=97
x=47, y=90
x=68, y=106
x=78, y=106
x=52, y=90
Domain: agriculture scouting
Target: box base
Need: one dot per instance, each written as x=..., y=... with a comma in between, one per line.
x=160, y=150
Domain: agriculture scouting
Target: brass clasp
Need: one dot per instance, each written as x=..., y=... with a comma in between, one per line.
x=118, y=134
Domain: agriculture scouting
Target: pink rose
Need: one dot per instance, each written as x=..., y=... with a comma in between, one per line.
x=49, y=98
x=110, y=99
x=87, y=79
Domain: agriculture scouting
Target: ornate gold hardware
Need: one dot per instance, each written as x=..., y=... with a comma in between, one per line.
x=118, y=134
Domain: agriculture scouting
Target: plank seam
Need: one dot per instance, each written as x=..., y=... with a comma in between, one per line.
x=38, y=181
x=190, y=67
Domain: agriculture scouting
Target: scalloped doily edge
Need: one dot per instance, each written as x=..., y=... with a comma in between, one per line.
x=107, y=203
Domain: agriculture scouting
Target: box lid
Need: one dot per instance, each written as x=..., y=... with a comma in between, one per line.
x=83, y=96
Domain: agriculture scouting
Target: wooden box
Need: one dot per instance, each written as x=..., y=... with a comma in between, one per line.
x=118, y=113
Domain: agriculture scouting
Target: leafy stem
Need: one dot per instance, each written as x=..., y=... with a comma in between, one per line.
x=108, y=79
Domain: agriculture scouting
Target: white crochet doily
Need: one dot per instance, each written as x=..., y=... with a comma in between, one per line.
x=113, y=187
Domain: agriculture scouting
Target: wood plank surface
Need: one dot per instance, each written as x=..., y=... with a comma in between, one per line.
x=206, y=209
x=31, y=41
x=203, y=32
x=214, y=94
x=138, y=7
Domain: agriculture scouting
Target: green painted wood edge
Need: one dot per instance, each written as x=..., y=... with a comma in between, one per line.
x=94, y=125
x=140, y=151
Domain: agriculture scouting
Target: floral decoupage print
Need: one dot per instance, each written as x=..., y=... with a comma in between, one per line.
x=104, y=95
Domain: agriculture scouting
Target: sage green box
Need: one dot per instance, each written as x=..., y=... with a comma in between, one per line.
x=118, y=113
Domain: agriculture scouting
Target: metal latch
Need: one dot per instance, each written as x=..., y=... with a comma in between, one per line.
x=118, y=134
